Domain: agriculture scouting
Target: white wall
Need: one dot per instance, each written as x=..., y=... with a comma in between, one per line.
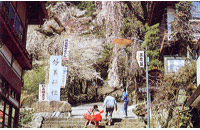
x=170, y=18
x=198, y=71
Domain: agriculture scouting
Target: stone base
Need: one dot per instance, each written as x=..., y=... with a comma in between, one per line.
x=52, y=106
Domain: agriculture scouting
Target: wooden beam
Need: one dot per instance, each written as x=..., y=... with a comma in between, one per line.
x=193, y=97
x=44, y=9
x=14, y=46
x=163, y=41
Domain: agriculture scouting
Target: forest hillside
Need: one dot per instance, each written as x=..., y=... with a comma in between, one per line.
x=98, y=67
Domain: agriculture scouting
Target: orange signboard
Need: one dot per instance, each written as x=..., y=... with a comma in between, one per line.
x=122, y=41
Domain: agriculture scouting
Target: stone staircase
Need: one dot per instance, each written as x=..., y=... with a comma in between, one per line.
x=74, y=119
x=79, y=123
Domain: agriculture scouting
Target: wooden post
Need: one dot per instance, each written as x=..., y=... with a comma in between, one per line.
x=4, y=111
x=10, y=116
x=16, y=121
x=178, y=119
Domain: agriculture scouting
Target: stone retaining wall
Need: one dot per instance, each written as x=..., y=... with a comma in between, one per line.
x=52, y=106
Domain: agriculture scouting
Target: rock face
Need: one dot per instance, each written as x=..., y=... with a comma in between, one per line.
x=52, y=106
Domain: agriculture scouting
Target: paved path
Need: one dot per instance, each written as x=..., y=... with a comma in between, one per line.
x=78, y=111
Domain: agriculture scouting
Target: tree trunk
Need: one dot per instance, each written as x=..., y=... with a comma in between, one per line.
x=96, y=90
x=74, y=91
x=86, y=88
x=81, y=86
x=169, y=117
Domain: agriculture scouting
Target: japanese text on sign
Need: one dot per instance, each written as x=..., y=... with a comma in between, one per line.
x=55, y=78
x=140, y=58
x=43, y=92
x=66, y=49
x=64, y=76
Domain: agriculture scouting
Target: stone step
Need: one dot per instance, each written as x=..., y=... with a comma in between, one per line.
x=64, y=123
x=80, y=122
x=126, y=121
x=91, y=126
x=82, y=119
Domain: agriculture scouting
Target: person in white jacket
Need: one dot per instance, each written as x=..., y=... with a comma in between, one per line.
x=109, y=104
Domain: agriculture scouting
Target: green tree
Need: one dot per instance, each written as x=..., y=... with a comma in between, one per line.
x=88, y=5
x=152, y=40
x=103, y=62
x=135, y=16
x=32, y=79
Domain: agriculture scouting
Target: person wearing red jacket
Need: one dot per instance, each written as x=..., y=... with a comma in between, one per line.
x=93, y=115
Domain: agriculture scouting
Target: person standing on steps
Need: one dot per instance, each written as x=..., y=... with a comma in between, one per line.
x=126, y=100
x=109, y=104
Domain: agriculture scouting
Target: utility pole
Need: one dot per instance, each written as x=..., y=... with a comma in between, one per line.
x=147, y=83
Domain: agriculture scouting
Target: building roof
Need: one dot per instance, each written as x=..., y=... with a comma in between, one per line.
x=36, y=12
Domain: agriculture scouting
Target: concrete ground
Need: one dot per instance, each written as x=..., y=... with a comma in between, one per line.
x=78, y=111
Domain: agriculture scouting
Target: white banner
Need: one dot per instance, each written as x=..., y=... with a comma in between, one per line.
x=65, y=59
x=140, y=58
x=66, y=49
x=64, y=76
x=43, y=92
x=55, y=78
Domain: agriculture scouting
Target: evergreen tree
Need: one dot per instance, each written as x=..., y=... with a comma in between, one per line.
x=152, y=40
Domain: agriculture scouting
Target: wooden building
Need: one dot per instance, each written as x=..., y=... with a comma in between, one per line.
x=194, y=99
x=15, y=16
x=164, y=13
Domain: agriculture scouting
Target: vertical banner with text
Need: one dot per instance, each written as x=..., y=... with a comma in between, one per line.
x=65, y=52
x=65, y=59
x=43, y=92
x=140, y=58
x=64, y=76
x=55, y=78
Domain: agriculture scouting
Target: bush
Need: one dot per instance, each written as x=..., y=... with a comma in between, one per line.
x=25, y=117
x=33, y=78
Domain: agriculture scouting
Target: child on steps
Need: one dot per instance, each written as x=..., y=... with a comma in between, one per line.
x=93, y=116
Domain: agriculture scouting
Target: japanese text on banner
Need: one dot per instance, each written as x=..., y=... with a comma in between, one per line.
x=43, y=92
x=55, y=78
